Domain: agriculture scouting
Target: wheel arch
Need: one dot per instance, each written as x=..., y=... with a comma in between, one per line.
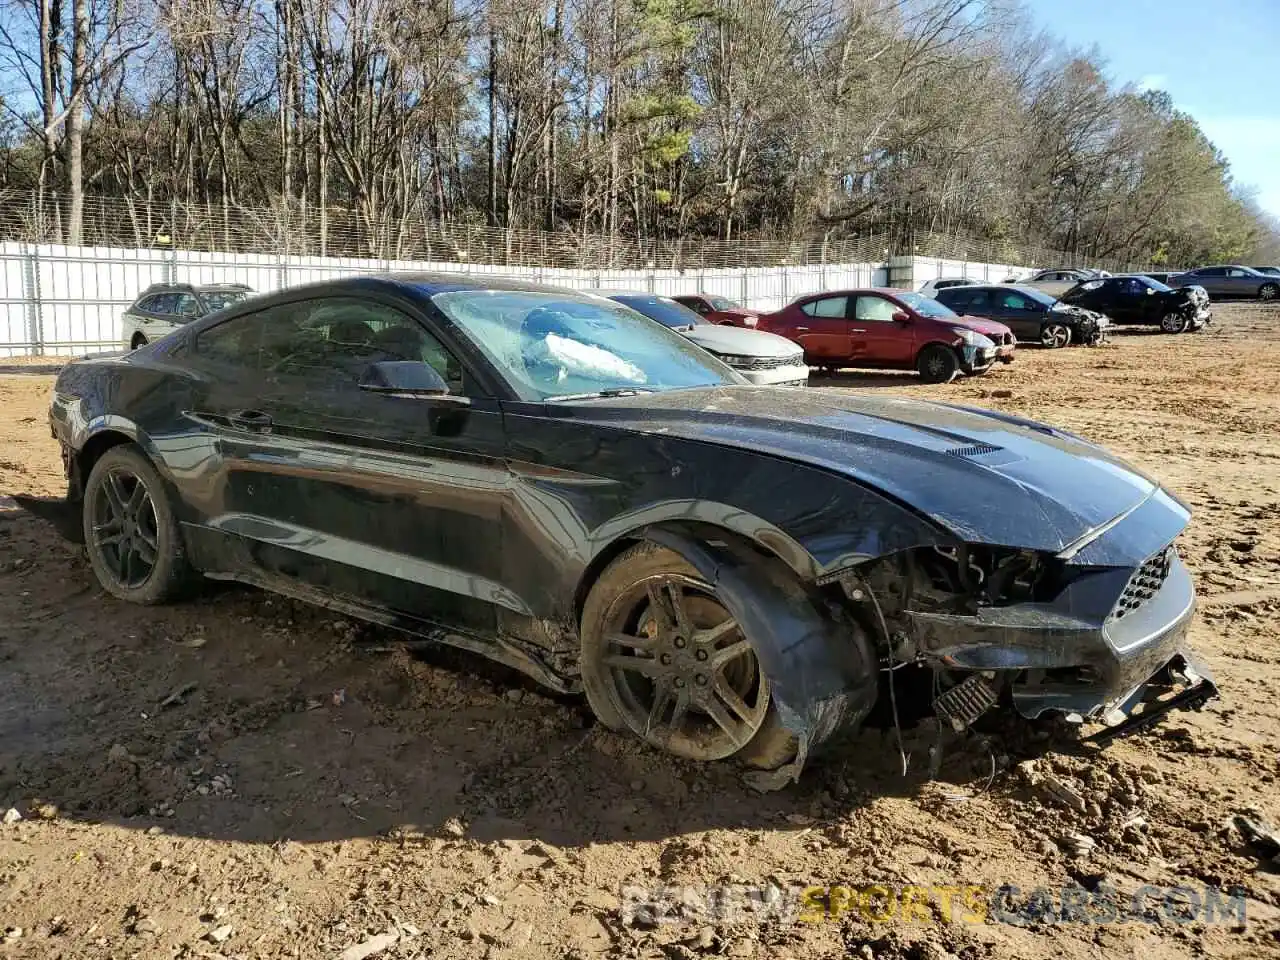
x=735, y=526
x=98, y=443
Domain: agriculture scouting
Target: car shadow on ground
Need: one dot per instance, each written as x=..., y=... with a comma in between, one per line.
x=238, y=715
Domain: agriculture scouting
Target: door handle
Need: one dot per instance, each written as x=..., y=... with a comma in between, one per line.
x=802, y=329
x=858, y=330
x=254, y=420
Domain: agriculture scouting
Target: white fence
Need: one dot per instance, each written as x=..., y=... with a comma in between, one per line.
x=68, y=300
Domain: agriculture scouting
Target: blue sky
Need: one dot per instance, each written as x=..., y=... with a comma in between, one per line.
x=1220, y=61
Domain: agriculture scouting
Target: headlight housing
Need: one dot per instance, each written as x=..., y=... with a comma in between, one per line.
x=736, y=359
x=972, y=338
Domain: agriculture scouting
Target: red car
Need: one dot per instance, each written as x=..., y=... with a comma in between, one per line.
x=891, y=330
x=716, y=309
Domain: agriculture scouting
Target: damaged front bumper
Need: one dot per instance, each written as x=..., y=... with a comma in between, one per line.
x=1124, y=669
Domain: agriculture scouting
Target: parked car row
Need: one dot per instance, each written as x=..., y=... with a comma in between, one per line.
x=953, y=327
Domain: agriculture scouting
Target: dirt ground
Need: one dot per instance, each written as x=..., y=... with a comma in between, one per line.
x=310, y=789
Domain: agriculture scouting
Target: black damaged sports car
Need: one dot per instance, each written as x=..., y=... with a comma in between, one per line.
x=570, y=488
x=1141, y=300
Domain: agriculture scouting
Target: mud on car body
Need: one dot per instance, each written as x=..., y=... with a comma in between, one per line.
x=725, y=570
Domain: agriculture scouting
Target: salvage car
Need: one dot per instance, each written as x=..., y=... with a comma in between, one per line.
x=888, y=329
x=550, y=479
x=1140, y=300
x=762, y=358
x=930, y=288
x=1058, y=282
x=1033, y=315
x=1232, y=282
x=716, y=309
x=163, y=307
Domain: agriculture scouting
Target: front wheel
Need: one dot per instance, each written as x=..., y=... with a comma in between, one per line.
x=1269, y=291
x=130, y=533
x=663, y=657
x=1055, y=335
x=1174, y=323
x=937, y=364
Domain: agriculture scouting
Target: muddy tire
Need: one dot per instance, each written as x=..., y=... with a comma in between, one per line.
x=1174, y=322
x=662, y=658
x=937, y=364
x=130, y=533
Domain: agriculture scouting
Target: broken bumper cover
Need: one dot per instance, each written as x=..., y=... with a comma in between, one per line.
x=1125, y=672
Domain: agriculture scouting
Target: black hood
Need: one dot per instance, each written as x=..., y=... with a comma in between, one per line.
x=983, y=476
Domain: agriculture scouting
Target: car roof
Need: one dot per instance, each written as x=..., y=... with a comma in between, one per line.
x=194, y=287
x=854, y=291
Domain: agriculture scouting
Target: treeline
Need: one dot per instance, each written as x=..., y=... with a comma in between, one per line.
x=638, y=118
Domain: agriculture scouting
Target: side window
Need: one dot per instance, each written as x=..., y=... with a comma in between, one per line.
x=1015, y=301
x=876, y=309
x=700, y=305
x=236, y=342
x=186, y=305
x=1236, y=272
x=1211, y=272
x=334, y=340
x=979, y=300
x=830, y=307
x=340, y=338
x=956, y=298
x=160, y=303
x=1132, y=287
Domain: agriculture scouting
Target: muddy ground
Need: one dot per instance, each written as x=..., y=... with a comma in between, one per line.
x=311, y=790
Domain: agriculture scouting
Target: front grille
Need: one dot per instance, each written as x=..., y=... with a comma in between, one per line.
x=1145, y=582
x=763, y=363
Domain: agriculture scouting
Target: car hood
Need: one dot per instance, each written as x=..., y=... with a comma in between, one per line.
x=737, y=341
x=984, y=476
x=981, y=325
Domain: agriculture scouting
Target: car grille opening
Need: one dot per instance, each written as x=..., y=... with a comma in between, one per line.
x=1145, y=582
x=763, y=363
x=974, y=450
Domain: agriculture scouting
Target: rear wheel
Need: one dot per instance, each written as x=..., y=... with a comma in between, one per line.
x=937, y=364
x=1174, y=322
x=1054, y=335
x=663, y=658
x=130, y=532
x=1269, y=291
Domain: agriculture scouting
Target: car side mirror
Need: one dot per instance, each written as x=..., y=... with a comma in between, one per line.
x=404, y=378
x=1150, y=291
x=901, y=316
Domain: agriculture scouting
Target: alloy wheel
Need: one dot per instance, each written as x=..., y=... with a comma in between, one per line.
x=125, y=528
x=1055, y=335
x=683, y=674
x=1269, y=291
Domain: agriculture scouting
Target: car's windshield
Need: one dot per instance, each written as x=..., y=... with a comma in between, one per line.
x=217, y=299
x=666, y=312
x=720, y=303
x=1039, y=296
x=926, y=306
x=550, y=345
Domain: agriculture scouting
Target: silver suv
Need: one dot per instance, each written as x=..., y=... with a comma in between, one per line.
x=163, y=307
